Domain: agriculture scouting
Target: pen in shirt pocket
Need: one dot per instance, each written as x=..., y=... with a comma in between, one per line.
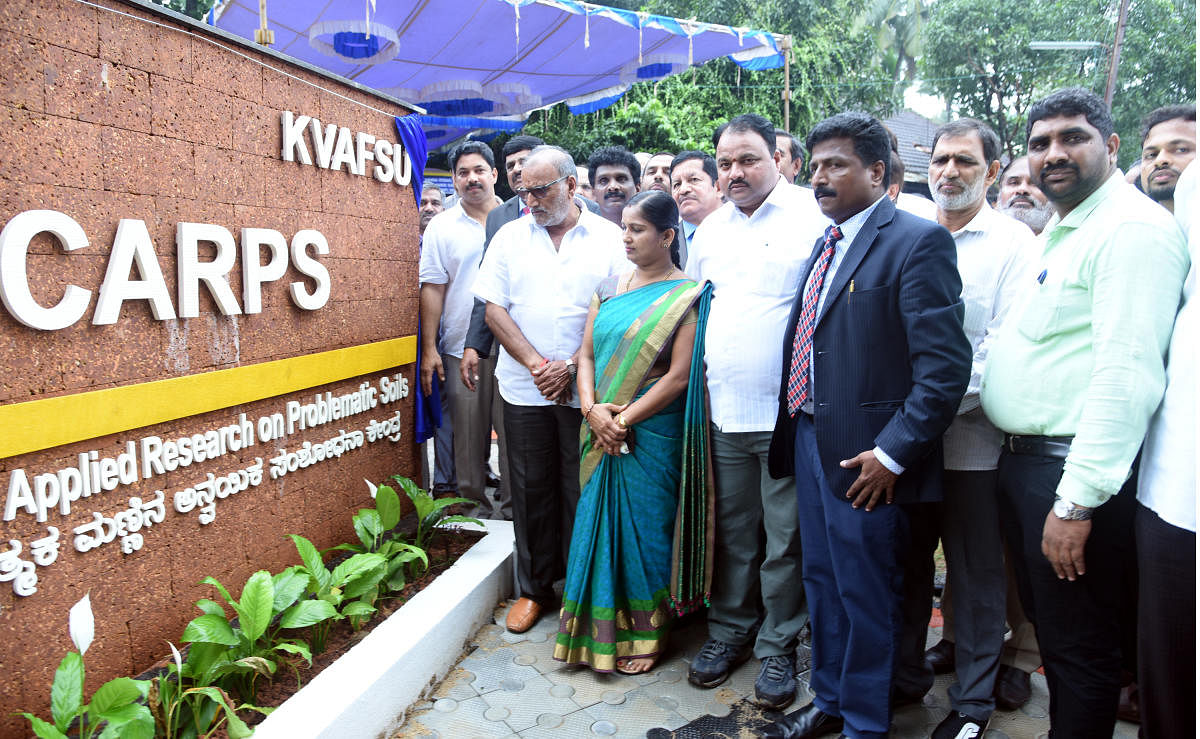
x=1042, y=277
x=851, y=285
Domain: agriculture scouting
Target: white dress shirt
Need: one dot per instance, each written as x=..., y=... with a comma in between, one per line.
x=994, y=256
x=450, y=252
x=1167, y=481
x=755, y=263
x=546, y=291
x=917, y=205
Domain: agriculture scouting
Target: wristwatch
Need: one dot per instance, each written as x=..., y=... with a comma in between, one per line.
x=1068, y=511
x=571, y=367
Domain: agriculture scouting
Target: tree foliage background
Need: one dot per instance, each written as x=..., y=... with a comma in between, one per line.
x=977, y=57
x=832, y=69
x=864, y=55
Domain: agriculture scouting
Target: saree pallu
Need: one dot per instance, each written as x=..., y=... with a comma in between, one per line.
x=641, y=550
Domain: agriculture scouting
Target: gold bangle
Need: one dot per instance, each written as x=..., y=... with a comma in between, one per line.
x=621, y=421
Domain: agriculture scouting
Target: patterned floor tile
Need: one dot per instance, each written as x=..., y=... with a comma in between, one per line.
x=639, y=713
x=578, y=724
x=451, y=719
x=524, y=702
x=590, y=686
x=490, y=669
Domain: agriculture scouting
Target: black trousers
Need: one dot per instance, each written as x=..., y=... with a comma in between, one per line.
x=543, y=464
x=1080, y=625
x=1166, y=627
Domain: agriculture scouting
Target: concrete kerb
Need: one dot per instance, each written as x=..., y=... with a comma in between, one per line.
x=366, y=689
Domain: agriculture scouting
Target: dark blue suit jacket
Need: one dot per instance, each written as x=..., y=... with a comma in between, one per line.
x=890, y=359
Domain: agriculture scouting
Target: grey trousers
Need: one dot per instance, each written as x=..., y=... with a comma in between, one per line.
x=474, y=415
x=1020, y=645
x=968, y=523
x=756, y=566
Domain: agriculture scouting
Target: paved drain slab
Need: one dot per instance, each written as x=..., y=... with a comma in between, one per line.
x=458, y=721
x=491, y=668
x=638, y=713
x=528, y=702
x=538, y=655
x=578, y=724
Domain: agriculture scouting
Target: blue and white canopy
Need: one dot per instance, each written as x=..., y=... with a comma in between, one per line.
x=485, y=64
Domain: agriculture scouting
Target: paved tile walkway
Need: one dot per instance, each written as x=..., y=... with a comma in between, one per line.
x=508, y=685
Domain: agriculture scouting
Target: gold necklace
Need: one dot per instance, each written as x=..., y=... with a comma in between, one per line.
x=629, y=280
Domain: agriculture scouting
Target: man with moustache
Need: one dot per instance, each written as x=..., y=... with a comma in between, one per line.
x=1021, y=199
x=992, y=262
x=450, y=253
x=1168, y=146
x=656, y=175
x=694, y=187
x=537, y=278
x=615, y=174
x=747, y=248
x=875, y=363
x=1072, y=382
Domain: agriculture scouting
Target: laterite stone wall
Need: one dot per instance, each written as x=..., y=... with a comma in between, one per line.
x=124, y=112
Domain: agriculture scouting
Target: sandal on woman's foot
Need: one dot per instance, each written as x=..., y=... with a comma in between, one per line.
x=623, y=665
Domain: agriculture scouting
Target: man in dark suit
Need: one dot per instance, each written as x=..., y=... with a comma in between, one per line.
x=875, y=363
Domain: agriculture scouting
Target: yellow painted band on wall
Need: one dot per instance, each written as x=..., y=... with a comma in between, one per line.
x=49, y=422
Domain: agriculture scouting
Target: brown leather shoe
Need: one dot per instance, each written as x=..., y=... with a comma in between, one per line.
x=523, y=615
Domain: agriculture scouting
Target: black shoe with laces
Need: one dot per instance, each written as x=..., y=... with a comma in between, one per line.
x=776, y=684
x=713, y=663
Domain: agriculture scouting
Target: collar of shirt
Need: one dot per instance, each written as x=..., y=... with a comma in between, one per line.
x=1081, y=212
x=852, y=225
x=777, y=198
x=688, y=229
x=980, y=223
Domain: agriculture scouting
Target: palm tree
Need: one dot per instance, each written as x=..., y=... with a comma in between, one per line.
x=897, y=25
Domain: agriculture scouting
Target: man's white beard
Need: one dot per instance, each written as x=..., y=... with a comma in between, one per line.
x=972, y=193
x=1036, y=217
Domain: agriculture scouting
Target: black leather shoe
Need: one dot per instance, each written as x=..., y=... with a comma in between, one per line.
x=940, y=657
x=902, y=700
x=806, y=723
x=1012, y=688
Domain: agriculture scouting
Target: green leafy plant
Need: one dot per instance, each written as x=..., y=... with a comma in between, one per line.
x=374, y=529
x=115, y=706
x=347, y=591
x=183, y=709
x=235, y=655
x=431, y=513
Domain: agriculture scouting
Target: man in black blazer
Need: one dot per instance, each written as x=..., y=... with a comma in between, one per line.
x=875, y=363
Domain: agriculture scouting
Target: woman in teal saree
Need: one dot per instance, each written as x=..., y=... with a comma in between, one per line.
x=641, y=547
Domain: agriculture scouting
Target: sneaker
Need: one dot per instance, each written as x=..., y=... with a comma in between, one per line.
x=713, y=663
x=776, y=684
x=959, y=726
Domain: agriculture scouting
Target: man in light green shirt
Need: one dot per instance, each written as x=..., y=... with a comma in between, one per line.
x=1072, y=380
